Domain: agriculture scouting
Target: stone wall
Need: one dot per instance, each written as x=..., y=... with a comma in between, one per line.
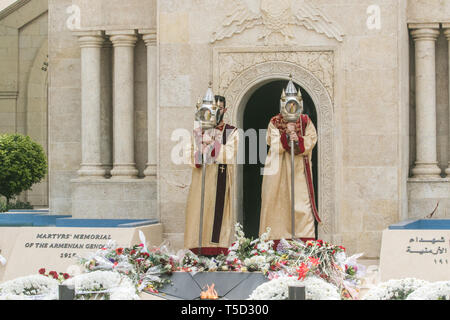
x=23, y=88
x=424, y=194
x=369, y=190
x=105, y=198
x=64, y=107
x=367, y=80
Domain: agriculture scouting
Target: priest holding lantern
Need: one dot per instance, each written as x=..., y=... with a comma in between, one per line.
x=288, y=206
x=212, y=154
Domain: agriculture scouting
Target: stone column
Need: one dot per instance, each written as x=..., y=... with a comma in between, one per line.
x=149, y=36
x=107, y=107
x=426, y=165
x=91, y=43
x=446, y=27
x=123, y=124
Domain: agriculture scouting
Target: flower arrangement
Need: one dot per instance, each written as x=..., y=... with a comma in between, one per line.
x=144, y=267
x=106, y=285
x=150, y=269
x=37, y=287
x=249, y=254
x=60, y=277
x=278, y=289
x=320, y=259
x=114, y=271
x=432, y=291
x=395, y=289
x=324, y=255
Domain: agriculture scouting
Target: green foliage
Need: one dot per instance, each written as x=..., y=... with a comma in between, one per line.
x=22, y=164
x=3, y=206
x=18, y=205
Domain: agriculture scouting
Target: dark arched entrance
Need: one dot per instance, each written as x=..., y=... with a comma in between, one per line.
x=260, y=108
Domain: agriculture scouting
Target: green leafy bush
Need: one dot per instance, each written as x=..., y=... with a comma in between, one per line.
x=18, y=205
x=3, y=206
x=22, y=164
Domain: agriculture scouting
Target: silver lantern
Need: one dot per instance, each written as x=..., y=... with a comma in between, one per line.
x=291, y=103
x=207, y=110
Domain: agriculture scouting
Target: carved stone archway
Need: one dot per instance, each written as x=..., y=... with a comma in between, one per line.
x=249, y=80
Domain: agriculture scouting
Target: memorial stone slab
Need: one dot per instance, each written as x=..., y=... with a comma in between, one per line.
x=56, y=248
x=245, y=288
x=7, y=240
x=411, y=252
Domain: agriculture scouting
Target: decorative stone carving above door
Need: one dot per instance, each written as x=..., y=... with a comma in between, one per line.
x=276, y=16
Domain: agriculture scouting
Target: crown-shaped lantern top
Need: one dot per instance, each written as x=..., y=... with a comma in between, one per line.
x=209, y=96
x=290, y=89
x=291, y=103
x=207, y=109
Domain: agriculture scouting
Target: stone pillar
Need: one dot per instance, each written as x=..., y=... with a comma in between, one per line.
x=446, y=27
x=426, y=165
x=123, y=124
x=149, y=36
x=107, y=107
x=91, y=43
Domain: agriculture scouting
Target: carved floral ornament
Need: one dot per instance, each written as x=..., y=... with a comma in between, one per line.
x=232, y=64
x=276, y=16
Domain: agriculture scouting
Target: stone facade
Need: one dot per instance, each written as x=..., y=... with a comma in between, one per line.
x=124, y=75
x=23, y=80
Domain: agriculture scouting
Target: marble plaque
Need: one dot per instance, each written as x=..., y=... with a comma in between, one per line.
x=421, y=254
x=55, y=249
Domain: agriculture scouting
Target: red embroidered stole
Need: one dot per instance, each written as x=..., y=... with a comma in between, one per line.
x=300, y=126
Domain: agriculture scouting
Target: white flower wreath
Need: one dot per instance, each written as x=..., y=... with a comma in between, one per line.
x=432, y=291
x=278, y=289
x=394, y=289
x=30, y=287
x=117, y=286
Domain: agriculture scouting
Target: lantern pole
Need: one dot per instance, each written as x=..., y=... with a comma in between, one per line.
x=206, y=115
x=291, y=110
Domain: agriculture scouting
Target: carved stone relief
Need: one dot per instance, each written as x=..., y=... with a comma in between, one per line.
x=275, y=16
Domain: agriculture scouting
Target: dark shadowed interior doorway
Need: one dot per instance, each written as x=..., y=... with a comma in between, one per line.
x=261, y=107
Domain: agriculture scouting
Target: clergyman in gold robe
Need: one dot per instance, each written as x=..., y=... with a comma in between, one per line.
x=220, y=145
x=276, y=187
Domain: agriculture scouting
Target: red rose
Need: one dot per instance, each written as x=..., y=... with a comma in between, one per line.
x=55, y=276
x=66, y=276
x=119, y=251
x=133, y=252
x=42, y=271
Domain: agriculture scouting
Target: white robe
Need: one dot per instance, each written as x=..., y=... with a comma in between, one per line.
x=276, y=188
